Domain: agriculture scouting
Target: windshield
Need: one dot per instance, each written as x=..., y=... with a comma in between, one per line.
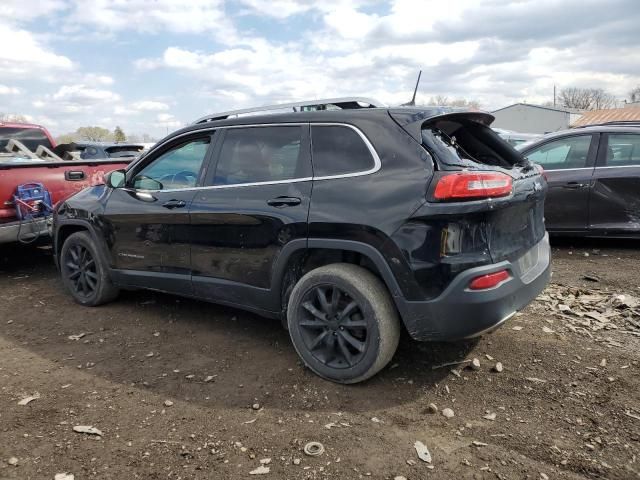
x=29, y=137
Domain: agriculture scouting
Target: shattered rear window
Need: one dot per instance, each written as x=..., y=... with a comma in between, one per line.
x=467, y=144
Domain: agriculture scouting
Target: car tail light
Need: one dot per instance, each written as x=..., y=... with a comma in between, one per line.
x=473, y=185
x=490, y=280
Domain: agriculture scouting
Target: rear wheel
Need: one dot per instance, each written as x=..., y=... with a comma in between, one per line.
x=343, y=322
x=84, y=274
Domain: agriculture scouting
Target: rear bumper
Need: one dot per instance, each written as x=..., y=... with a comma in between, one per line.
x=13, y=232
x=463, y=313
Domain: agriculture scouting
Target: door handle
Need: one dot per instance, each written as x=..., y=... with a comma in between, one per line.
x=171, y=204
x=284, y=202
x=74, y=175
x=574, y=185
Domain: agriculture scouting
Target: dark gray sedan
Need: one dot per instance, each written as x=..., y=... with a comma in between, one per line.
x=594, y=180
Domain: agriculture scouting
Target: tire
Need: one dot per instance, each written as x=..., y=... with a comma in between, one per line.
x=335, y=339
x=84, y=273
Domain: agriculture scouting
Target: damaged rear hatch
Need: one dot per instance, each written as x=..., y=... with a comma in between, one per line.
x=489, y=197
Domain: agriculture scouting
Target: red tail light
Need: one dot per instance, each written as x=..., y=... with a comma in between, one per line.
x=473, y=185
x=484, y=282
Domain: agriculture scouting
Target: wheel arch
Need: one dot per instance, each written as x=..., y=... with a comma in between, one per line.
x=299, y=257
x=67, y=228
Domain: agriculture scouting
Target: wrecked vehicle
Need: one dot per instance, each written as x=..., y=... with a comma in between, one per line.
x=99, y=150
x=594, y=179
x=347, y=222
x=33, y=179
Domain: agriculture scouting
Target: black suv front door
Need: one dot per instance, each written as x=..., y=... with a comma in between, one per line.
x=149, y=217
x=256, y=204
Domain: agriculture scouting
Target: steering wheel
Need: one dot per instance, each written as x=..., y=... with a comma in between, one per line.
x=181, y=178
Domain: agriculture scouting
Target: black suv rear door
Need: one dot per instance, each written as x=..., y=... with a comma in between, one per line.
x=615, y=197
x=149, y=217
x=255, y=204
x=568, y=162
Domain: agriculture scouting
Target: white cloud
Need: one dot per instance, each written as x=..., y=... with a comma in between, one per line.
x=150, y=106
x=5, y=90
x=21, y=10
x=98, y=79
x=22, y=55
x=167, y=120
x=83, y=95
x=152, y=16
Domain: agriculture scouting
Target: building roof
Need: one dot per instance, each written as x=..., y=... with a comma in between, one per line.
x=610, y=115
x=564, y=110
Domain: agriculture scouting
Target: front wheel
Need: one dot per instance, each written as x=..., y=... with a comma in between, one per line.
x=343, y=322
x=84, y=274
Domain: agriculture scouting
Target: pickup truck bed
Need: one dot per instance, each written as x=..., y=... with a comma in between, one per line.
x=61, y=179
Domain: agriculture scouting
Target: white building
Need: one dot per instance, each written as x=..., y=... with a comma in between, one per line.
x=526, y=118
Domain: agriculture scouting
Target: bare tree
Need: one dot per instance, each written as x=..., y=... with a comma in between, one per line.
x=634, y=95
x=586, y=98
x=443, y=100
x=12, y=117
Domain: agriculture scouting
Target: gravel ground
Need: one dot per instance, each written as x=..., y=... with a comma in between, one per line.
x=185, y=389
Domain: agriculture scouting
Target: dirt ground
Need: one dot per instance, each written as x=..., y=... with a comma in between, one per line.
x=182, y=389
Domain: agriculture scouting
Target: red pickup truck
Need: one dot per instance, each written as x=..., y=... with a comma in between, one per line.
x=60, y=178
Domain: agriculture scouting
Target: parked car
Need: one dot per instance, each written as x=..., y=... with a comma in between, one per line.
x=347, y=224
x=98, y=150
x=59, y=178
x=516, y=138
x=594, y=180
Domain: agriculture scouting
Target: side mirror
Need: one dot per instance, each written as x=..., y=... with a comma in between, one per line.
x=115, y=179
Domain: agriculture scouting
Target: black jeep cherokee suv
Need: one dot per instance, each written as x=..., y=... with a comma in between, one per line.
x=347, y=223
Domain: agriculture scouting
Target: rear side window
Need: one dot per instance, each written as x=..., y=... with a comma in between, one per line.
x=263, y=154
x=624, y=149
x=29, y=137
x=569, y=152
x=338, y=150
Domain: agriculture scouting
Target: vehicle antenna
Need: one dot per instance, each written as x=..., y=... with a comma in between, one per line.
x=412, y=103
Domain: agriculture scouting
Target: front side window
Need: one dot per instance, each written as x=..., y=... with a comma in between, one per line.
x=179, y=167
x=262, y=154
x=623, y=149
x=570, y=152
x=338, y=150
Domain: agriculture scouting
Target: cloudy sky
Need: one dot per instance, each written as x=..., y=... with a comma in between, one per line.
x=154, y=65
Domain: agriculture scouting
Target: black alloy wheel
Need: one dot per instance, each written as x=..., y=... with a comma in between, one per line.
x=81, y=270
x=333, y=326
x=84, y=273
x=343, y=322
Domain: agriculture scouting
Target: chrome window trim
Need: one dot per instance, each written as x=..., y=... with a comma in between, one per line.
x=377, y=163
x=564, y=169
x=619, y=166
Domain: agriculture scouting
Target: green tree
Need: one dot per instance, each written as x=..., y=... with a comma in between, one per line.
x=94, y=134
x=67, y=138
x=118, y=135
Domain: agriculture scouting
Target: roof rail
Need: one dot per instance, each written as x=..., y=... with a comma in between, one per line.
x=613, y=123
x=309, y=105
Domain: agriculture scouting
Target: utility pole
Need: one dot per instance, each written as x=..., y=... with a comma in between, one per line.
x=554, y=94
